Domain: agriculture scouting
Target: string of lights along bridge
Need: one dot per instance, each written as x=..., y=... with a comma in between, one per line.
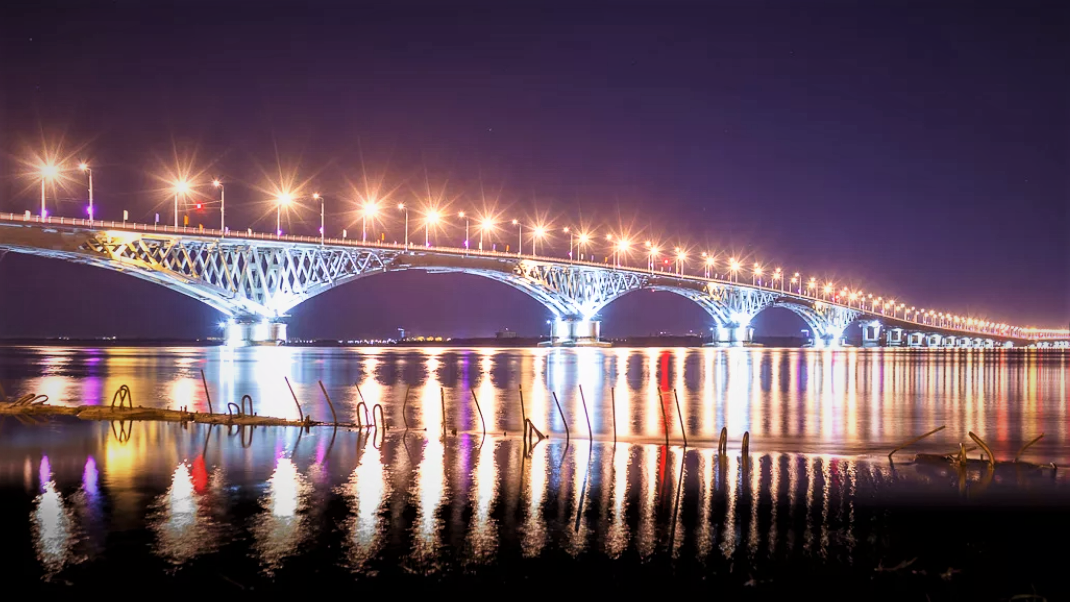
x=256, y=278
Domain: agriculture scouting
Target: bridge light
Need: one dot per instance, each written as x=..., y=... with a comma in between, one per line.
x=83, y=166
x=540, y=231
x=401, y=206
x=709, y=261
x=584, y=238
x=181, y=187
x=285, y=198
x=216, y=183
x=609, y=237
x=515, y=222
x=432, y=217
x=371, y=209
x=487, y=224
x=565, y=230
x=622, y=245
x=316, y=195
x=49, y=171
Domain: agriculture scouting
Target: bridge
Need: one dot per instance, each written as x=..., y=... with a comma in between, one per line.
x=256, y=279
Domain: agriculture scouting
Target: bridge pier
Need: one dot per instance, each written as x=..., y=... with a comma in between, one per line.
x=915, y=339
x=732, y=335
x=933, y=340
x=245, y=332
x=575, y=332
x=871, y=334
x=894, y=337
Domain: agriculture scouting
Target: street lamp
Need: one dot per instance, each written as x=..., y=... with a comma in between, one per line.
x=432, y=218
x=283, y=199
x=222, y=206
x=681, y=255
x=89, y=172
x=181, y=188
x=709, y=265
x=486, y=224
x=402, y=207
x=778, y=275
x=651, y=256
x=316, y=196
x=520, y=239
x=370, y=210
x=622, y=247
x=48, y=172
x=810, y=286
x=756, y=274
x=733, y=266
x=461, y=214
x=568, y=231
x=584, y=239
x=538, y=233
x=794, y=281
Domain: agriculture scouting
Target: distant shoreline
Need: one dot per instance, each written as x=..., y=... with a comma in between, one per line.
x=509, y=343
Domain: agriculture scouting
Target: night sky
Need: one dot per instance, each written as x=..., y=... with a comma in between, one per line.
x=905, y=149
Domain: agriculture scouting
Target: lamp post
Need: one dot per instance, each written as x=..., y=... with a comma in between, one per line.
x=584, y=239
x=778, y=275
x=537, y=233
x=733, y=266
x=181, y=188
x=652, y=258
x=88, y=172
x=681, y=255
x=520, y=239
x=568, y=231
x=756, y=275
x=317, y=196
x=283, y=199
x=222, y=206
x=485, y=225
x=622, y=247
x=402, y=207
x=48, y=172
x=466, y=221
x=432, y=218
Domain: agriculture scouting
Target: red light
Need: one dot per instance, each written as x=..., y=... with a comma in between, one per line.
x=198, y=206
x=666, y=262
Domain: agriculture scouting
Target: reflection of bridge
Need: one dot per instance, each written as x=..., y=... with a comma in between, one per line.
x=256, y=279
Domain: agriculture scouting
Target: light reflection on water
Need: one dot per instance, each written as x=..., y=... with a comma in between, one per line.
x=432, y=504
x=836, y=402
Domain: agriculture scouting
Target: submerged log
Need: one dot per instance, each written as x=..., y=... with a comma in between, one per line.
x=151, y=414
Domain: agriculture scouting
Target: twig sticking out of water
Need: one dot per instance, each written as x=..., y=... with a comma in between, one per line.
x=207, y=395
x=563, y=419
x=300, y=413
x=722, y=443
x=984, y=446
x=680, y=413
x=664, y=417
x=329, y=404
x=1026, y=446
x=480, y=410
x=590, y=433
x=915, y=440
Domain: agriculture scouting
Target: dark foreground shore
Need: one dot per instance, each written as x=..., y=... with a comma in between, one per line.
x=172, y=512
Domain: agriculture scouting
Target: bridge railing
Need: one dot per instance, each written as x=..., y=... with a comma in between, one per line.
x=249, y=234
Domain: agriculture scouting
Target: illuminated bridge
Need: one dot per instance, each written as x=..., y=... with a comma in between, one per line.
x=256, y=279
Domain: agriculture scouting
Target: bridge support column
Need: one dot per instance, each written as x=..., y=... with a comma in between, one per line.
x=949, y=341
x=871, y=334
x=732, y=335
x=894, y=337
x=575, y=332
x=915, y=339
x=933, y=340
x=965, y=342
x=244, y=332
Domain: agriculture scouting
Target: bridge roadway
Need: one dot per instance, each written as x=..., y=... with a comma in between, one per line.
x=255, y=279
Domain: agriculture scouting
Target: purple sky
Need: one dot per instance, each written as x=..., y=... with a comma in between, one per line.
x=909, y=150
